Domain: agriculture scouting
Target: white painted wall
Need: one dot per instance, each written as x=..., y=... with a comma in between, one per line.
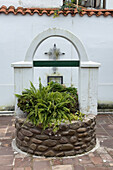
x=17, y=32
x=32, y=3
x=109, y=4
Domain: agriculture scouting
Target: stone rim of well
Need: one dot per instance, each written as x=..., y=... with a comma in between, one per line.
x=77, y=137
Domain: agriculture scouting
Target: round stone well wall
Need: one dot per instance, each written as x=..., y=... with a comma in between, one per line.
x=71, y=139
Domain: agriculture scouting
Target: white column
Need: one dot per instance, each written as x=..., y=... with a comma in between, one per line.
x=23, y=74
x=88, y=87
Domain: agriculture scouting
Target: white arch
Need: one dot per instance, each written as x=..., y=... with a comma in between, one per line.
x=56, y=32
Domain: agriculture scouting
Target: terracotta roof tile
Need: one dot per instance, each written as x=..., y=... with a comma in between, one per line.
x=107, y=13
x=99, y=13
x=3, y=11
x=83, y=13
x=11, y=10
x=27, y=11
x=50, y=11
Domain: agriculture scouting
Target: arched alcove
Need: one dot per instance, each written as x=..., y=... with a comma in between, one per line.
x=63, y=50
x=88, y=71
x=56, y=32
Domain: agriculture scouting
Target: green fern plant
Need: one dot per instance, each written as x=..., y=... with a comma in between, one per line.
x=49, y=105
x=53, y=86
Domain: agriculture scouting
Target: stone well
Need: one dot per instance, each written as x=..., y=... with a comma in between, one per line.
x=71, y=139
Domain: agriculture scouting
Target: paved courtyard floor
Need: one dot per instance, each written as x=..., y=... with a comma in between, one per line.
x=101, y=159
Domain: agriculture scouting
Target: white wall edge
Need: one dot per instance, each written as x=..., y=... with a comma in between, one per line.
x=22, y=64
x=90, y=64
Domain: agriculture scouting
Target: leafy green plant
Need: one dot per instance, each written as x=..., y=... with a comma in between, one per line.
x=53, y=86
x=49, y=105
x=69, y=5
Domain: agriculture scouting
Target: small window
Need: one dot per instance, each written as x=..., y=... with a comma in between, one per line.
x=58, y=79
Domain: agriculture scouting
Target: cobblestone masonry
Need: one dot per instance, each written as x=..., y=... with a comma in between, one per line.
x=71, y=139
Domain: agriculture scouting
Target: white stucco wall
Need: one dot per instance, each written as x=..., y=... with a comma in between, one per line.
x=109, y=4
x=17, y=32
x=32, y=3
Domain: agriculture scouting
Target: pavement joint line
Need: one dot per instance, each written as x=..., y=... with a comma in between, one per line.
x=111, y=113
x=13, y=161
x=5, y=137
x=34, y=156
x=110, y=119
x=6, y=129
x=105, y=131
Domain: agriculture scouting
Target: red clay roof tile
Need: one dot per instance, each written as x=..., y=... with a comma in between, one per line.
x=107, y=13
x=50, y=11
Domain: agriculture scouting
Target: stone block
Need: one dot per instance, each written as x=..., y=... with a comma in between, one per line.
x=83, y=134
x=84, y=146
x=81, y=130
x=30, y=151
x=80, y=139
x=24, y=143
x=20, y=121
x=63, y=126
x=63, y=140
x=88, y=139
x=73, y=139
x=25, y=127
x=18, y=141
x=63, y=147
x=42, y=137
x=36, y=131
x=42, y=148
x=20, y=136
x=87, y=121
x=93, y=125
x=29, y=124
x=75, y=125
x=48, y=131
x=17, y=126
x=26, y=132
x=77, y=147
x=50, y=142
x=26, y=138
x=60, y=154
x=24, y=149
x=93, y=141
x=58, y=148
x=78, y=143
x=56, y=137
x=33, y=146
x=89, y=148
x=49, y=153
x=33, y=140
x=70, y=132
x=38, y=153
x=67, y=147
x=69, y=153
x=79, y=151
